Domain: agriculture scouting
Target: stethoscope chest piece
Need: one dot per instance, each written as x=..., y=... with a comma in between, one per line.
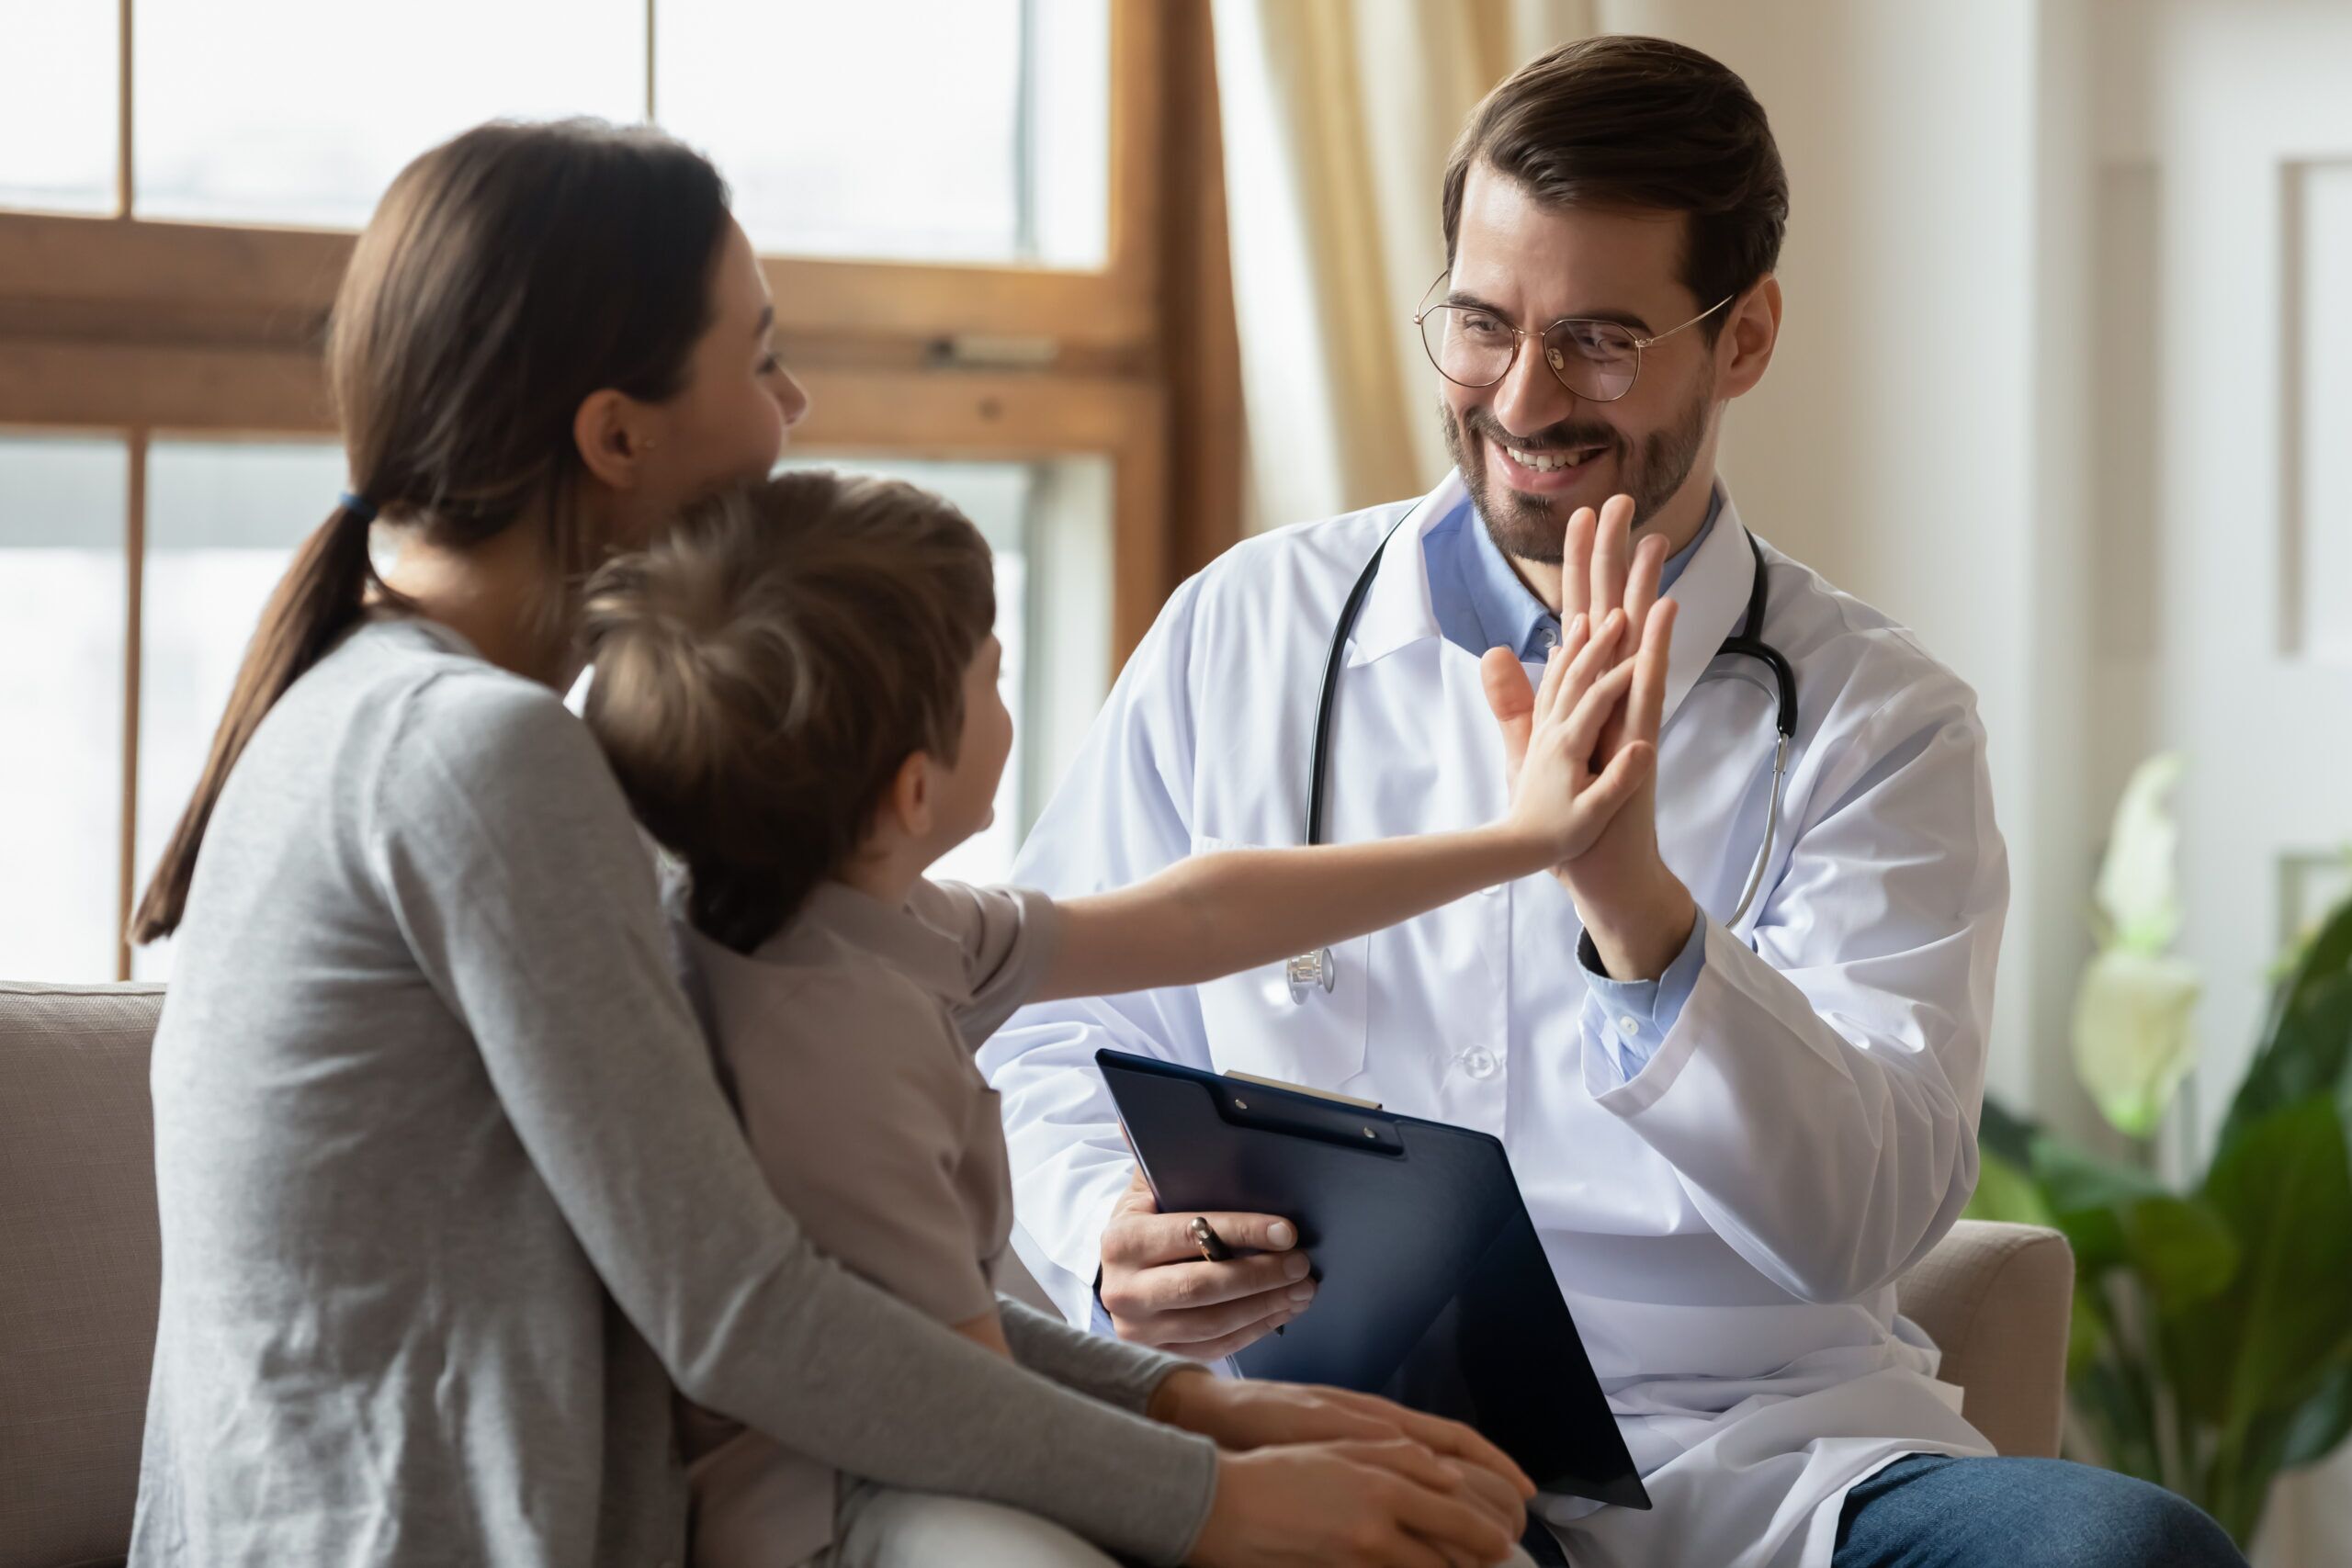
x=1311, y=972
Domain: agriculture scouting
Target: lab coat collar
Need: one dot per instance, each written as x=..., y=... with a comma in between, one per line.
x=1713, y=591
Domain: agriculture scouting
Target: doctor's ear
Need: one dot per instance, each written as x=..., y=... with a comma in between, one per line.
x=1744, y=348
x=614, y=432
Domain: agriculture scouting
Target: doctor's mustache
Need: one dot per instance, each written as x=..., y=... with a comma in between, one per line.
x=1566, y=436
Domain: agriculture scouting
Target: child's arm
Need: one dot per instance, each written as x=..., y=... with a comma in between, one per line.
x=1217, y=914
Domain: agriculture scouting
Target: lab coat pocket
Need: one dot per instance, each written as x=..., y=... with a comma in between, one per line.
x=1260, y=1021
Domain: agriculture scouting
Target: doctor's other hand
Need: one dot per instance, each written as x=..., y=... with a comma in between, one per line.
x=1359, y=1503
x=1159, y=1291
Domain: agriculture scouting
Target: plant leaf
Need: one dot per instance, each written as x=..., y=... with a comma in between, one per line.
x=2138, y=890
x=2003, y=1132
x=2285, y=1191
x=2132, y=1035
x=2308, y=1047
x=2320, y=1422
x=2006, y=1193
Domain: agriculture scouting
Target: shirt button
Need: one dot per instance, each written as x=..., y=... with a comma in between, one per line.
x=1547, y=639
x=1479, y=1063
x=1627, y=1027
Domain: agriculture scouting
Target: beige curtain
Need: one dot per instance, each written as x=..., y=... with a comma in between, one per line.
x=1338, y=115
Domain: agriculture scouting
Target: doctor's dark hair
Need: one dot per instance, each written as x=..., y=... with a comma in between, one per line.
x=506, y=276
x=1643, y=124
x=764, y=669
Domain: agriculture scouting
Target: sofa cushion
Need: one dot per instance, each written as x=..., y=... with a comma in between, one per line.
x=80, y=1266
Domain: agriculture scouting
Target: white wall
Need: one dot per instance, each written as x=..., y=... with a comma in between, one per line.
x=1920, y=436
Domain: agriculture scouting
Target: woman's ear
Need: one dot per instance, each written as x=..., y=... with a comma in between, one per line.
x=614, y=432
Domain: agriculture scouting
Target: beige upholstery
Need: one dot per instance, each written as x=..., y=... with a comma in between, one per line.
x=79, y=1266
x=1997, y=1298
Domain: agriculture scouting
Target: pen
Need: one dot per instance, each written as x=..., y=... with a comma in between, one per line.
x=1212, y=1245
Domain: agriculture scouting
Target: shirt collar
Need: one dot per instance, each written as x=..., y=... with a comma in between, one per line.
x=1479, y=598
x=1711, y=584
x=836, y=912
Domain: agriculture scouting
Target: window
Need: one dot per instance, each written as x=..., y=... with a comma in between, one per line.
x=62, y=652
x=983, y=223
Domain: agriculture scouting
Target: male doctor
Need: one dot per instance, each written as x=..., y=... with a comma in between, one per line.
x=1734, y=1128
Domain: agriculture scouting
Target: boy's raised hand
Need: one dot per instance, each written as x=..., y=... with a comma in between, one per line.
x=1564, y=790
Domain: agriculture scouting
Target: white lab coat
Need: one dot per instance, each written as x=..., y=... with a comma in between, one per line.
x=1728, y=1223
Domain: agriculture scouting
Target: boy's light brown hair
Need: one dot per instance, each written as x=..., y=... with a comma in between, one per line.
x=763, y=671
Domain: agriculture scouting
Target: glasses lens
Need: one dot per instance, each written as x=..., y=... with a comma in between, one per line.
x=1473, y=347
x=1593, y=359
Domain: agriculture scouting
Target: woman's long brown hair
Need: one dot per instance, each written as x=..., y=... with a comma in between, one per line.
x=506, y=276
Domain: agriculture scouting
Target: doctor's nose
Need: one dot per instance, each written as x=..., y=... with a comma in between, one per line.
x=1529, y=397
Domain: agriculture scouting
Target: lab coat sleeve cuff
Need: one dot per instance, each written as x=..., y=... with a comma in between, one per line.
x=1632, y=1018
x=1624, y=1086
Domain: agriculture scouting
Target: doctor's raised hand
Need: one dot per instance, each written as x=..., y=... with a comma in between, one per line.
x=1637, y=912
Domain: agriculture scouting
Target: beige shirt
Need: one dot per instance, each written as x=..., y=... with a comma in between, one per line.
x=848, y=1040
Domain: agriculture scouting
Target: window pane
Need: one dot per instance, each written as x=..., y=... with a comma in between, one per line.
x=62, y=640
x=290, y=111
x=926, y=130
x=59, y=80
x=1048, y=525
x=222, y=518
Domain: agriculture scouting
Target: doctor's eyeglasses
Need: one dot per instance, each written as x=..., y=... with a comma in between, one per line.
x=1598, y=361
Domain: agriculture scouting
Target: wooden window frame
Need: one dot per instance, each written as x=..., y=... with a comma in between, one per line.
x=146, y=329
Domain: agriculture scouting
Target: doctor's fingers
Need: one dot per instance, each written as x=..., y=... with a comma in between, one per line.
x=1612, y=554
x=1233, y=1344
x=1576, y=566
x=1198, y=1331
x=1142, y=1236
x=1647, y=711
x=1641, y=583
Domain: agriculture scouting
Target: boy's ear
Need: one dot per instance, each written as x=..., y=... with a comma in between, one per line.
x=909, y=802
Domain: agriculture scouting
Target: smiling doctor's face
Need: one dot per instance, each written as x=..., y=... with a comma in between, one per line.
x=1530, y=451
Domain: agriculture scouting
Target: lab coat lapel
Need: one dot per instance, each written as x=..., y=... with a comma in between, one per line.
x=1713, y=592
x=1396, y=611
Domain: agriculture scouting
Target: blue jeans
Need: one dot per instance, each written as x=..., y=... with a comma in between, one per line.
x=1933, y=1511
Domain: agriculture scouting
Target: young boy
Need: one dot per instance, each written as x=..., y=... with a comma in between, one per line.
x=798, y=689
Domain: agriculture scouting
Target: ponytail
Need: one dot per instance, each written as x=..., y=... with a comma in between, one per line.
x=317, y=601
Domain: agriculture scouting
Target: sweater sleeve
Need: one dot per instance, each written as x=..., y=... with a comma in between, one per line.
x=1109, y=1370
x=505, y=850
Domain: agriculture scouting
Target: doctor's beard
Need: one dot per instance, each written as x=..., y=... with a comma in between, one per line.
x=1529, y=527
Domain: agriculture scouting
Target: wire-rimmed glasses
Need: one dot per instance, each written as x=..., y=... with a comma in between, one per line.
x=1598, y=361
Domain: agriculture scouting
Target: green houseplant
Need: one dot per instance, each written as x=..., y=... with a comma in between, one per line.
x=2211, y=1347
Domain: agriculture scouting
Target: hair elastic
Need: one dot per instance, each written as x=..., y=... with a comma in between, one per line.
x=360, y=506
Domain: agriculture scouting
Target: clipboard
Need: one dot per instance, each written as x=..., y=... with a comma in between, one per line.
x=1434, y=1290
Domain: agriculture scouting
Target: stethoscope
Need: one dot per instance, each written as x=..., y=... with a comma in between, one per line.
x=1311, y=972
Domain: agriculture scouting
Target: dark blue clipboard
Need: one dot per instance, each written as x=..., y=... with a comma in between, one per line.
x=1434, y=1290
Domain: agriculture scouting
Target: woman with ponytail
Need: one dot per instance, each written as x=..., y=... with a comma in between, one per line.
x=450, y=1200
